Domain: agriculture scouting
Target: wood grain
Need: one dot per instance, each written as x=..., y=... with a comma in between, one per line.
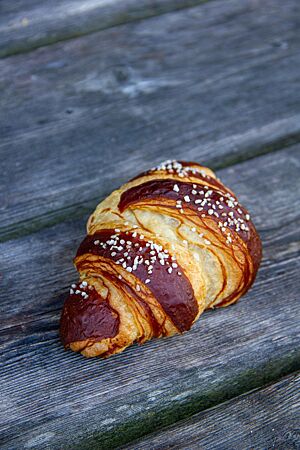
x=211, y=83
x=53, y=399
x=25, y=26
x=268, y=418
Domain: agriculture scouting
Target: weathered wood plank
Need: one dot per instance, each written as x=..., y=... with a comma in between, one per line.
x=54, y=399
x=25, y=26
x=211, y=83
x=268, y=418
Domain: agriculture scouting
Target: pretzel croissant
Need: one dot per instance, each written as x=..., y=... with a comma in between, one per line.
x=165, y=246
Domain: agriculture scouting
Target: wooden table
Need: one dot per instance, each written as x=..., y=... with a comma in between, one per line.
x=93, y=92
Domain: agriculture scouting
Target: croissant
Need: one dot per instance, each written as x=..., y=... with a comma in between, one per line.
x=160, y=250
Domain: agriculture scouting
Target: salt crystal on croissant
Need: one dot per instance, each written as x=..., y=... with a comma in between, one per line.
x=160, y=250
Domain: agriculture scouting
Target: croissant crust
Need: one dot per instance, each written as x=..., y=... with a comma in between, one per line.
x=160, y=250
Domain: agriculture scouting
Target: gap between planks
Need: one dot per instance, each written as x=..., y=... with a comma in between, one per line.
x=263, y=418
x=49, y=22
x=80, y=210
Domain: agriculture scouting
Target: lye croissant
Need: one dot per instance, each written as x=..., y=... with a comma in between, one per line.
x=165, y=246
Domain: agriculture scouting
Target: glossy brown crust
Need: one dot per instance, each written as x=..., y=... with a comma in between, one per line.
x=159, y=190
x=89, y=318
x=172, y=290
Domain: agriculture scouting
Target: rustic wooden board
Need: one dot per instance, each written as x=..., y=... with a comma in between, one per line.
x=24, y=26
x=268, y=418
x=53, y=399
x=216, y=83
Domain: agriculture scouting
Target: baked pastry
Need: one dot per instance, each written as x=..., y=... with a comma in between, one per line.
x=168, y=244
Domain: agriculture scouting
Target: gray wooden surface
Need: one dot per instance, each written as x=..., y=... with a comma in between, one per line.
x=31, y=24
x=217, y=83
x=60, y=399
x=267, y=418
